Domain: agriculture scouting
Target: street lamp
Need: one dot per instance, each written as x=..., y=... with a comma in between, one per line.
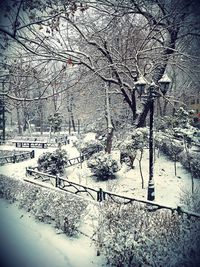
x=152, y=93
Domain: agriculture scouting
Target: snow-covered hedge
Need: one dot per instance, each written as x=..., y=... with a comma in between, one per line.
x=89, y=147
x=62, y=210
x=191, y=162
x=129, y=235
x=190, y=200
x=174, y=149
x=103, y=165
x=169, y=146
x=53, y=162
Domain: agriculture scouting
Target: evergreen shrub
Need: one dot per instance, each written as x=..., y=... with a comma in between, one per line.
x=103, y=165
x=88, y=148
x=53, y=162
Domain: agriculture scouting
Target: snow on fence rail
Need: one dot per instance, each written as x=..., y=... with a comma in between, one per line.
x=17, y=157
x=99, y=195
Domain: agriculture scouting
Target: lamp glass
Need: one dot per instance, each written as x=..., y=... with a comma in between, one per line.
x=140, y=85
x=164, y=83
x=140, y=88
x=164, y=86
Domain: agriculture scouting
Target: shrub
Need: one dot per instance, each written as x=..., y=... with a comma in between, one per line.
x=130, y=146
x=64, y=211
x=53, y=162
x=172, y=148
x=191, y=162
x=128, y=153
x=103, y=166
x=191, y=200
x=129, y=235
x=88, y=148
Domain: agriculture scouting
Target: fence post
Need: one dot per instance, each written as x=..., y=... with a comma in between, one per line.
x=100, y=195
x=32, y=154
x=14, y=158
x=69, y=126
x=57, y=182
x=81, y=159
x=28, y=171
x=78, y=126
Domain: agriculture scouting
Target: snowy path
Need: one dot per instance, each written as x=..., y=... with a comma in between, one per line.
x=18, y=170
x=27, y=243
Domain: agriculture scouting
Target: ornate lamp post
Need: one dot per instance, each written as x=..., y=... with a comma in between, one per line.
x=152, y=93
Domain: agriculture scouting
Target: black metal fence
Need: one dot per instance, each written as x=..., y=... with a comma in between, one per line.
x=99, y=194
x=17, y=157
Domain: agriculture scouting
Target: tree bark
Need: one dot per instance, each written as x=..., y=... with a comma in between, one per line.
x=109, y=123
x=109, y=140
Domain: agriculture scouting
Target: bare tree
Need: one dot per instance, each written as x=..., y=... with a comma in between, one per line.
x=126, y=39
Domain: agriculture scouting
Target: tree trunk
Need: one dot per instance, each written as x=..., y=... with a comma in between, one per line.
x=19, y=121
x=110, y=127
x=73, y=123
x=109, y=140
x=142, y=118
x=41, y=121
x=133, y=106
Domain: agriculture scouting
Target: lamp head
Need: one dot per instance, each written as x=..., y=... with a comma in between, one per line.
x=140, y=85
x=164, y=83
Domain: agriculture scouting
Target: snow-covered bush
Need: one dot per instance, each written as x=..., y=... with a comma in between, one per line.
x=7, y=189
x=129, y=147
x=169, y=146
x=89, y=147
x=174, y=149
x=191, y=200
x=182, y=119
x=129, y=235
x=64, y=211
x=53, y=162
x=128, y=152
x=103, y=165
x=191, y=162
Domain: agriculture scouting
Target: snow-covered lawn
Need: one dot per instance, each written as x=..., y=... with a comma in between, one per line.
x=168, y=187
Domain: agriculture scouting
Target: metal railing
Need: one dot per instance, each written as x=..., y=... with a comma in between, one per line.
x=17, y=157
x=99, y=194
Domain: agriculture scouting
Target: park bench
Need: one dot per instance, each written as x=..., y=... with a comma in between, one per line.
x=31, y=142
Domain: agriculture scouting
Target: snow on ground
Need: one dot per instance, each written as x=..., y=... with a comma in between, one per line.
x=89, y=136
x=39, y=243
x=168, y=187
x=18, y=170
x=25, y=242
